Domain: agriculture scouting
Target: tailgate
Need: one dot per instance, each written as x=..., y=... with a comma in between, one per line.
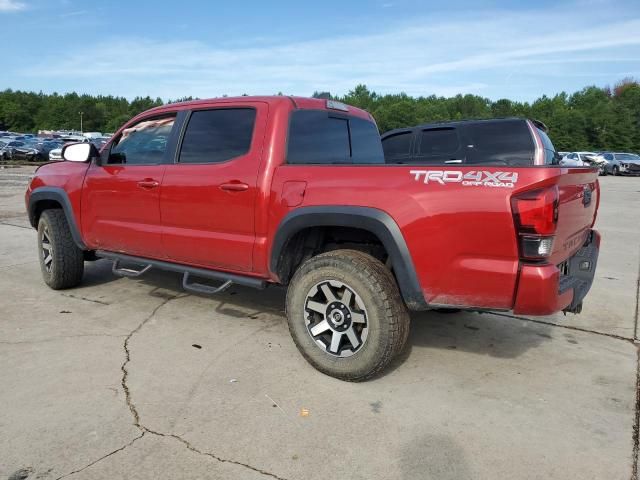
x=579, y=196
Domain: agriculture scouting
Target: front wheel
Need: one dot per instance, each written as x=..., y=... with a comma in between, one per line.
x=616, y=171
x=61, y=261
x=346, y=315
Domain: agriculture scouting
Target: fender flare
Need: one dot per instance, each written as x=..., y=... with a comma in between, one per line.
x=58, y=195
x=373, y=220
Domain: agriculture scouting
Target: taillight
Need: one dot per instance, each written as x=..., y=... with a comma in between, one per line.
x=535, y=213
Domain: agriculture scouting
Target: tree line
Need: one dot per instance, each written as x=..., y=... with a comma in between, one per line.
x=594, y=118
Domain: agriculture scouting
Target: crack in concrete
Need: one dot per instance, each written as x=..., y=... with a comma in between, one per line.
x=127, y=352
x=568, y=327
x=100, y=302
x=136, y=415
x=103, y=457
x=14, y=225
x=211, y=455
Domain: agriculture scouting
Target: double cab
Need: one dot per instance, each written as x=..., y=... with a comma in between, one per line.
x=295, y=191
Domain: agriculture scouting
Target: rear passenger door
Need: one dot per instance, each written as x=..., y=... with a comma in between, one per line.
x=208, y=193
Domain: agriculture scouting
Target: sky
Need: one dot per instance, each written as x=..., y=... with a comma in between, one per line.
x=170, y=49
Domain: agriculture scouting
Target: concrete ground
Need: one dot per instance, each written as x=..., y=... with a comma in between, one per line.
x=133, y=378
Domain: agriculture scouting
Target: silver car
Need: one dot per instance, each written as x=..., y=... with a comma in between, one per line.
x=621, y=163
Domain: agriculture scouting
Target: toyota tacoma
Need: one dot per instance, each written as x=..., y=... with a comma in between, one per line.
x=294, y=191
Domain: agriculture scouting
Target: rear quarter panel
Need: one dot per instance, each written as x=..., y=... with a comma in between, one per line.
x=461, y=238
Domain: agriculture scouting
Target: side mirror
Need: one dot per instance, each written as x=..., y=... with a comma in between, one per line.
x=79, y=152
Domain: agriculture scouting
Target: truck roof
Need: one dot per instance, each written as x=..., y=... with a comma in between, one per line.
x=450, y=123
x=303, y=103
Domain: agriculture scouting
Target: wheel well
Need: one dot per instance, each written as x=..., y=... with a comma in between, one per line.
x=40, y=207
x=312, y=241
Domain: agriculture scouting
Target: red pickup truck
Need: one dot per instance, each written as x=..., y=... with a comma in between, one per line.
x=295, y=191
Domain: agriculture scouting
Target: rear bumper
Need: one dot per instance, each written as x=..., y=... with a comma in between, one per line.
x=547, y=289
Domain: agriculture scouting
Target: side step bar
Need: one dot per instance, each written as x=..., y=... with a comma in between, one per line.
x=227, y=278
x=201, y=287
x=127, y=272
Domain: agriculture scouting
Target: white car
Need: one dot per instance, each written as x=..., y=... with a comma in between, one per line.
x=578, y=159
x=55, y=154
x=91, y=135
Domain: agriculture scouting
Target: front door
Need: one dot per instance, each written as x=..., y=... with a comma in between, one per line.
x=208, y=195
x=121, y=196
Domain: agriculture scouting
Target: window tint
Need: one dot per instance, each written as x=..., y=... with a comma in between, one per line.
x=439, y=142
x=318, y=137
x=499, y=143
x=315, y=137
x=143, y=143
x=608, y=156
x=214, y=136
x=365, y=142
x=398, y=145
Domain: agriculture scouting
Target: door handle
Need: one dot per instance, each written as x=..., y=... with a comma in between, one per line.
x=148, y=183
x=234, y=187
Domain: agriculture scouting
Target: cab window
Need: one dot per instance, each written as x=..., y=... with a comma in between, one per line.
x=144, y=143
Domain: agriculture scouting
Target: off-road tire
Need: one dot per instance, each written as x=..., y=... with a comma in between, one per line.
x=387, y=315
x=67, y=264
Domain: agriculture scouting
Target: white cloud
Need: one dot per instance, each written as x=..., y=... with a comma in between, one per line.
x=73, y=14
x=441, y=56
x=11, y=6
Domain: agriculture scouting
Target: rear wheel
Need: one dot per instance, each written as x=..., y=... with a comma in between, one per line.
x=346, y=315
x=61, y=261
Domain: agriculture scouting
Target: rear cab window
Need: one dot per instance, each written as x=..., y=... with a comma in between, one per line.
x=318, y=137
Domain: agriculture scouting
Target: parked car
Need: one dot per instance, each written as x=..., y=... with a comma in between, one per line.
x=621, y=163
x=92, y=135
x=578, y=159
x=99, y=142
x=35, y=149
x=55, y=154
x=504, y=141
x=27, y=152
x=8, y=148
x=296, y=191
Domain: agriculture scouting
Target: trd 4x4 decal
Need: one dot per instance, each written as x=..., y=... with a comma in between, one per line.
x=473, y=178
